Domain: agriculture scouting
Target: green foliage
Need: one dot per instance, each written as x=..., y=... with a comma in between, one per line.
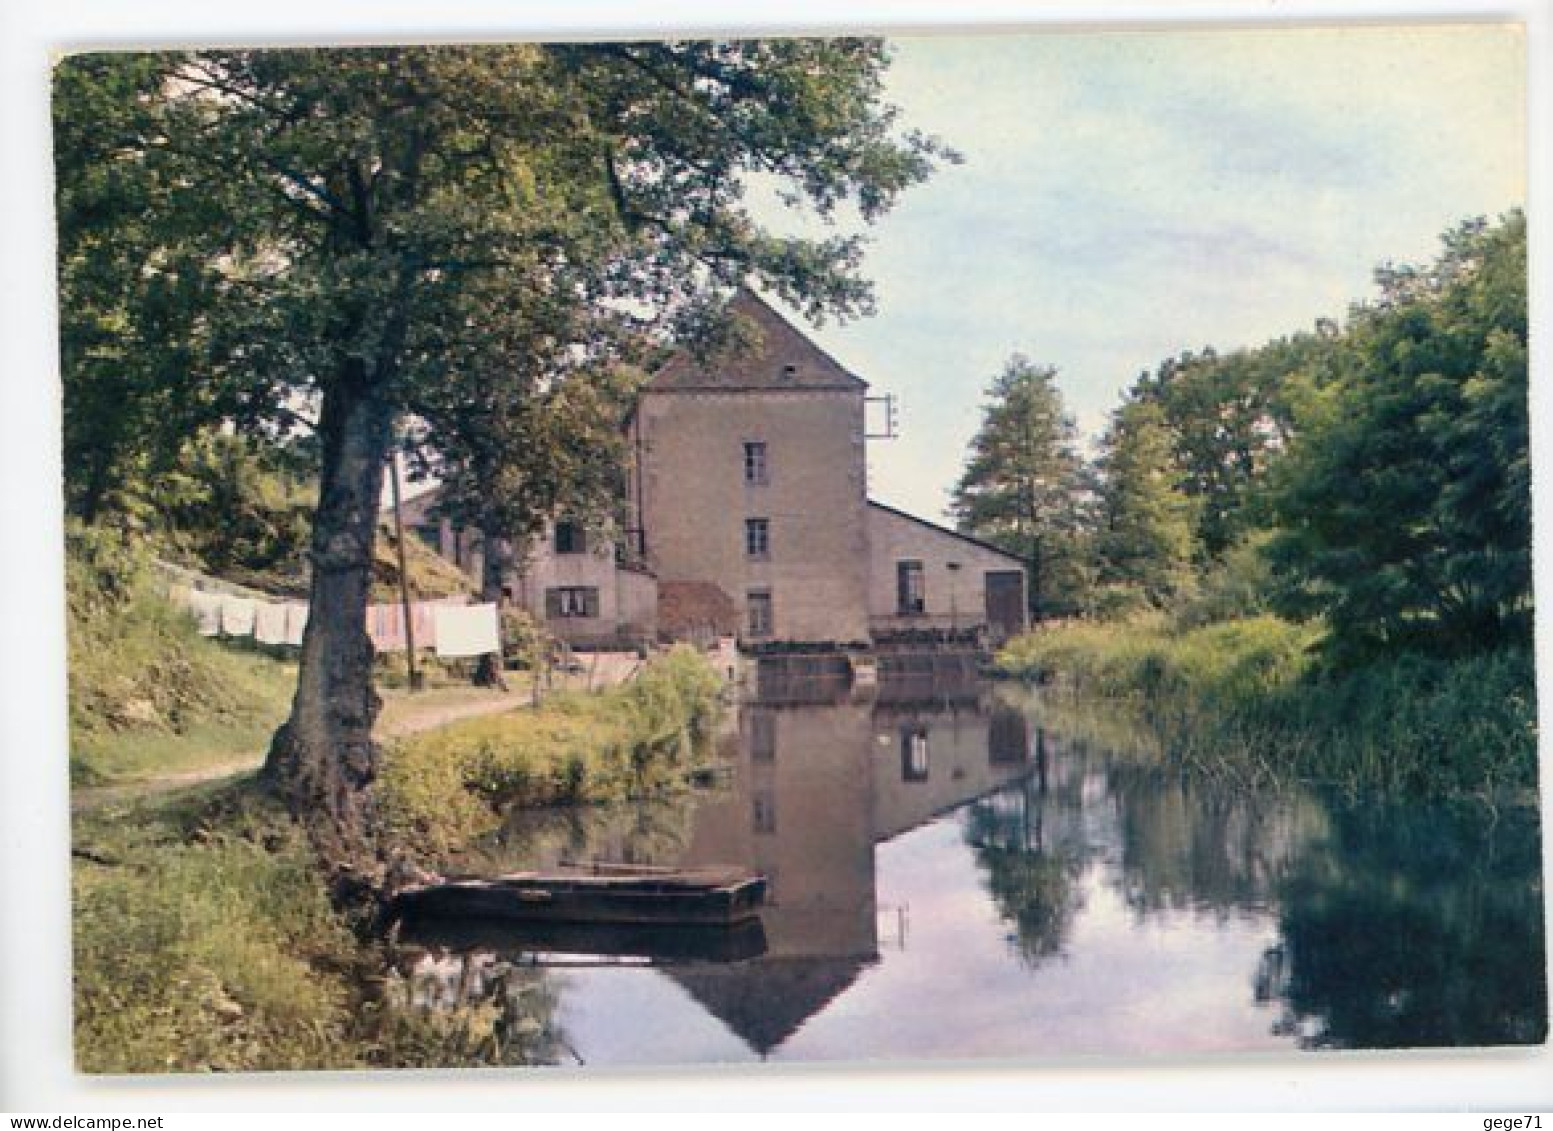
x=1404, y=506
x=1230, y=415
x=201, y=940
x=442, y=789
x=147, y=693
x=238, y=509
x=204, y=941
x=524, y=641
x=1145, y=540
x=1024, y=487
x=1220, y=664
x=1374, y=477
x=1248, y=700
x=1238, y=585
x=136, y=247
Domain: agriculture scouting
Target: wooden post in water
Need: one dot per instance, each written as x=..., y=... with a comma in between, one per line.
x=404, y=576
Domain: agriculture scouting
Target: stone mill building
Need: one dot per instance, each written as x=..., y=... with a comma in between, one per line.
x=748, y=516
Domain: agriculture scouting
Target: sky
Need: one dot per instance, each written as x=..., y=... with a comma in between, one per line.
x=1129, y=195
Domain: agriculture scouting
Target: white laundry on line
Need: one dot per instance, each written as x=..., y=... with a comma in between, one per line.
x=269, y=623
x=466, y=630
x=296, y=622
x=237, y=615
x=206, y=608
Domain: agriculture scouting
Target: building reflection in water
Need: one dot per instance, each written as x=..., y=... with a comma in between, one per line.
x=820, y=776
x=1242, y=919
x=825, y=777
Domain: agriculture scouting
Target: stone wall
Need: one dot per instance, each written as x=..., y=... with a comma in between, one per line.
x=695, y=501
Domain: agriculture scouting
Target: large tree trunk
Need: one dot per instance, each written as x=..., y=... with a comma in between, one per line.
x=496, y=556
x=323, y=759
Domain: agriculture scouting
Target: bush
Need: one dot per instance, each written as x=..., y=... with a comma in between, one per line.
x=524, y=641
x=441, y=789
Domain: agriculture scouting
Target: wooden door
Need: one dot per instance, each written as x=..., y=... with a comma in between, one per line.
x=1005, y=604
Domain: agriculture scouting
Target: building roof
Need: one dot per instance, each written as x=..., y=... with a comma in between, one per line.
x=766, y=1000
x=784, y=359
x=949, y=533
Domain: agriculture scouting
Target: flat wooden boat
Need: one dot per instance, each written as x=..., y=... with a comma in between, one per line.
x=557, y=943
x=595, y=893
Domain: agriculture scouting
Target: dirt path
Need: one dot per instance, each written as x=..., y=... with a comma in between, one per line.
x=402, y=714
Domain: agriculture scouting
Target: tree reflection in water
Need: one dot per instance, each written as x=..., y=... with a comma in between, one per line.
x=1031, y=850
x=1194, y=845
x=1412, y=926
x=1399, y=924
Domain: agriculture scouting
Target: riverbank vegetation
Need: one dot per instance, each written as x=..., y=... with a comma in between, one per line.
x=441, y=790
x=205, y=940
x=1248, y=701
x=205, y=936
x=1311, y=558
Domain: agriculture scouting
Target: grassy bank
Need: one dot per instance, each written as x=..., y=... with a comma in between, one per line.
x=204, y=937
x=204, y=941
x=147, y=693
x=1247, y=699
x=441, y=789
x=203, y=934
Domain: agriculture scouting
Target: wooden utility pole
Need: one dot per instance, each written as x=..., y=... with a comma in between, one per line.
x=404, y=575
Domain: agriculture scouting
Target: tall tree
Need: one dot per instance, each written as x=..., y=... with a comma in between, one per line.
x=1145, y=541
x=1405, y=501
x=1230, y=415
x=1024, y=487
x=352, y=194
x=527, y=390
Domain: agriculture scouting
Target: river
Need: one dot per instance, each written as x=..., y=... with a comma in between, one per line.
x=953, y=876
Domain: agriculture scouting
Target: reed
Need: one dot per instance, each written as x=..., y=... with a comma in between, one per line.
x=1248, y=701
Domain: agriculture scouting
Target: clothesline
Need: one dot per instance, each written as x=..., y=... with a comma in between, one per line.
x=448, y=625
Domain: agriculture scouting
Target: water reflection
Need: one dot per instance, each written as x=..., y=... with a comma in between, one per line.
x=458, y=1008
x=950, y=878
x=1412, y=927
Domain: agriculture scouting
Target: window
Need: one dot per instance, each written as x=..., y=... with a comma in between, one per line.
x=762, y=736
x=757, y=537
x=1008, y=739
x=570, y=538
x=763, y=812
x=572, y=601
x=914, y=756
x=910, y=588
x=755, y=463
x=758, y=608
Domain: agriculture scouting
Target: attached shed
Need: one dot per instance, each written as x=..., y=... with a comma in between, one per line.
x=923, y=576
